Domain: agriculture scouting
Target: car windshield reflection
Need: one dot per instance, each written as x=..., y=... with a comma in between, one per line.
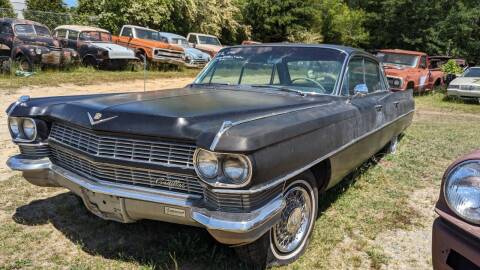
x=304, y=69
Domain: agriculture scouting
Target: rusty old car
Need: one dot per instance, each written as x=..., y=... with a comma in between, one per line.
x=94, y=46
x=30, y=44
x=407, y=70
x=206, y=43
x=456, y=230
x=149, y=46
x=245, y=151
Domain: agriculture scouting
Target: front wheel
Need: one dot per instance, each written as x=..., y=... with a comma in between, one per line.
x=287, y=240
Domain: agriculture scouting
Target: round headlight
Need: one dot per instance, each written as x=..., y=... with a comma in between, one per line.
x=236, y=168
x=207, y=164
x=29, y=129
x=14, y=126
x=462, y=191
x=38, y=51
x=396, y=82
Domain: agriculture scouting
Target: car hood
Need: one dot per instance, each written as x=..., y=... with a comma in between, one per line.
x=210, y=48
x=115, y=51
x=400, y=71
x=36, y=40
x=466, y=81
x=187, y=113
x=196, y=54
x=157, y=44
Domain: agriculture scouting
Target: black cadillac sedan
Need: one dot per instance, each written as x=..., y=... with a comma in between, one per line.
x=245, y=151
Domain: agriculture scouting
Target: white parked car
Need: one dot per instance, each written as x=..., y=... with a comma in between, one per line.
x=466, y=86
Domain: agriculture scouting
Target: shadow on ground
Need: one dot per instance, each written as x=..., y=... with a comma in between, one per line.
x=152, y=243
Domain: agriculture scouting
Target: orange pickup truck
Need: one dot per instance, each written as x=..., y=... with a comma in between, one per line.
x=148, y=45
x=407, y=70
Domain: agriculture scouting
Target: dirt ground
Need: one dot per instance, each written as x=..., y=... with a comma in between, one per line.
x=7, y=148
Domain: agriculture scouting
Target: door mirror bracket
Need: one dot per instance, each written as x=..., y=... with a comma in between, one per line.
x=360, y=90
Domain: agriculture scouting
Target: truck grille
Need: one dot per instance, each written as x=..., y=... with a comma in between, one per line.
x=165, y=153
x=125, y=175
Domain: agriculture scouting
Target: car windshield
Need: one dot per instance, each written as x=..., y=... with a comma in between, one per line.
x=302, y=69
x=30, y=29
x=95, y=36
x=399, y=59
x=209, y=40
x=472, y=72
x=179, y=41
x=148, y=34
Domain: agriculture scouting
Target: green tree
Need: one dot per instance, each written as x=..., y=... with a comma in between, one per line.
x=287, y=20
x=52, y=13
x=6, y=9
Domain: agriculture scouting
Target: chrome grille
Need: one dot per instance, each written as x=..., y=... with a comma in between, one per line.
x=125, y=175
x=34, y=150
x=240, y=202
x=154, y=152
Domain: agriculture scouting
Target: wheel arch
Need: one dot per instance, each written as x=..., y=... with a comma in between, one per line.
x=322, y=172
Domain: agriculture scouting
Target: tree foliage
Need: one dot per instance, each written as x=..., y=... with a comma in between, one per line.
x=52, y=13
x=6, y=9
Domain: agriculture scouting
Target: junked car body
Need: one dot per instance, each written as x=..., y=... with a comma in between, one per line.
x=30, y=44
x=148, y=45
x=245, y=151
x=467, y=86
x=206, y=43
x=410, y=70
x=94, y=46
x=193, y=57
x=456, y=231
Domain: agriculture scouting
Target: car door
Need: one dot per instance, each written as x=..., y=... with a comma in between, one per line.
x=424, y=74
x=72, y=39
x=125, y=36
x=6, y=39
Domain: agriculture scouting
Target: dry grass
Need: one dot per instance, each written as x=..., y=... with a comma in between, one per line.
x=388, y=199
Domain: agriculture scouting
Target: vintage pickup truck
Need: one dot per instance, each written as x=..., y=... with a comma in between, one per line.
x=30, y=44
x=410, y=70
x=206, y=43
x=147, y=44
x=245, y=151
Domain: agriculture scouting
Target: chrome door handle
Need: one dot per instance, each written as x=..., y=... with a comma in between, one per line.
x=396, y=104
x=378, y=107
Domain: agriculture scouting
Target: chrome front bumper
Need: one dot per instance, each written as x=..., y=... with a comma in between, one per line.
x=463, y=93
x=126, y=203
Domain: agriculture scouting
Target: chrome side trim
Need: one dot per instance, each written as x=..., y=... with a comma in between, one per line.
x=227, y=124
x=284, y=178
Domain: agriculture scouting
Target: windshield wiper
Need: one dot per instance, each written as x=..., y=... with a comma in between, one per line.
x=285, y=89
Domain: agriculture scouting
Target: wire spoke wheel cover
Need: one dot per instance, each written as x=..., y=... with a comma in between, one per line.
x=289, y=235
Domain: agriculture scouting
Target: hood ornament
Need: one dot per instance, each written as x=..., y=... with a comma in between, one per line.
x=96, y=119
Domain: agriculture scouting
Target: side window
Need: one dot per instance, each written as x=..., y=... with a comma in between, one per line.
x=72, y=35
x=423, y=62
x=355, y=76
x=192, y=39
x=61, y=33
x=127, y=32
x=5, y=29
x=373, y=78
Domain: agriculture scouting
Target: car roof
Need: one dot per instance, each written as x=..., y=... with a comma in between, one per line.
x=81, y=28
x=402, y=51
x=345, y=49
x=171, y=35
x=20, y=21
x=139, y=27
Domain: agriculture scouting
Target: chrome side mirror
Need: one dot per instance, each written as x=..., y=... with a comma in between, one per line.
x=360, y=89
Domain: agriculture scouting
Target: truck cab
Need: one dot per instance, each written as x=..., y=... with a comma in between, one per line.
x=149, y=45
x=407, y=70
x=206, y=43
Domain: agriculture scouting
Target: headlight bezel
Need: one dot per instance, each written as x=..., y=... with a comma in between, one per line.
x=21, y=137
x=221, y=180
x=448, y=180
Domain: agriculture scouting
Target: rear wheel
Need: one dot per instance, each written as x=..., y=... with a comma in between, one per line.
x=287, y=240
